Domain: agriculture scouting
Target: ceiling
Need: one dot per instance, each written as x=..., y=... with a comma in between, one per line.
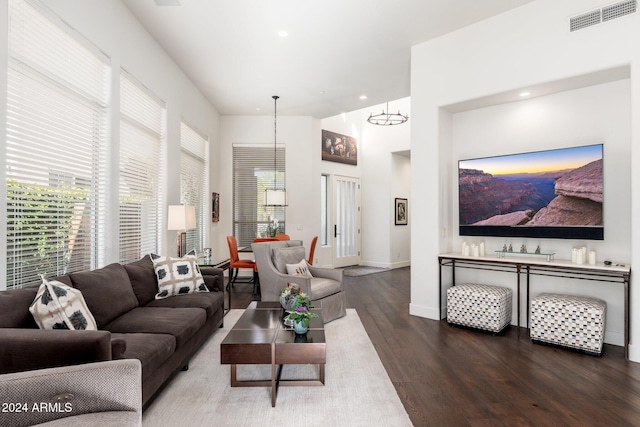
x=336, y=50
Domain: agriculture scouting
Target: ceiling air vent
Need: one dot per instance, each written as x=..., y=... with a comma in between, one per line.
x=619, y=9
x=607, y=13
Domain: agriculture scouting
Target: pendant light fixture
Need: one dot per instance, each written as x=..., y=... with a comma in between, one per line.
x=387, y=119
x=275, y=196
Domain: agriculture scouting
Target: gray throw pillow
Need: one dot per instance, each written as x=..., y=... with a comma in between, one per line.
x=284, y=256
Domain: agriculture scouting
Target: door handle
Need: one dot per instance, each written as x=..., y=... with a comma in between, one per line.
x=335, y=230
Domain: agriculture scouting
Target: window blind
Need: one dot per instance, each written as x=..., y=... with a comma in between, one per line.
x=142, y=124
x=194, y=160
x=253, y=173
x=57, y=95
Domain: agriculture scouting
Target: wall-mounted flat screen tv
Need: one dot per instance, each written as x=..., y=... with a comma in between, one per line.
x=544, y=194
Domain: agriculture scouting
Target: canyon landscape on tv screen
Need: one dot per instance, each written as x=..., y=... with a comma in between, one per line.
x=547, y=194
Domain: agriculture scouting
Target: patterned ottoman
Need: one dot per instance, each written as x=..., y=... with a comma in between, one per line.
x=479, y=306
x=569, y=321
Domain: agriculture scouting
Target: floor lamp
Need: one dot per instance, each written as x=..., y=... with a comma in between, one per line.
x=181, y=218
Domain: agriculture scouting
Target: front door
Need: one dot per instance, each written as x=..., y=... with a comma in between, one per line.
x=346, y=214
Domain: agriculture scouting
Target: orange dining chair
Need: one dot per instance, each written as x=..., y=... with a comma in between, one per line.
x=235, y=263
x=312, y=249
x=282, y=237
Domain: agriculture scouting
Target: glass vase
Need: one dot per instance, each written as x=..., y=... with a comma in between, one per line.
x=300, y=328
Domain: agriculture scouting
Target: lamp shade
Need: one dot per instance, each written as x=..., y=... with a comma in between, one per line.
x=181, y=217
x=273, y=197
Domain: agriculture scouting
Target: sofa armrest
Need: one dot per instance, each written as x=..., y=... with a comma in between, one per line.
x=27, y=349
x=213, y=277
x=108, y=393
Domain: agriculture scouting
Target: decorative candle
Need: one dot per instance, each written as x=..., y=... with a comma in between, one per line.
x=574, y=255
x=475, y=249
x=592, y=257
x=481, y=248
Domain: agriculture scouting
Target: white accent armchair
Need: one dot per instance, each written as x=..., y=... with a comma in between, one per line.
x=325, y=289
x=94, y=394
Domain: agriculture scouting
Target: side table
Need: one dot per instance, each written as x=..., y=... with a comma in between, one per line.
x=222, y=264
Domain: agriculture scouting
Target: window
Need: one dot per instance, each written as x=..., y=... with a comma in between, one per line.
x=253, y=173
x=57, y=92
x=142, y=124
x=194, y=161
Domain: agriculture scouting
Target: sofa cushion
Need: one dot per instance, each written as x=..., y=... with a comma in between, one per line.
x=152, y=350
x=283, y=256
x=299, y=269
x=59, y=306
x=210, y=302
x=143, y=279
x=182, y=323
x=107, y=291
x=178, y=276
x=14, y=308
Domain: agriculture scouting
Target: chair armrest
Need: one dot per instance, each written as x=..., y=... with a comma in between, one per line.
x=303, y=282
x=113, y=387
x=27, y=349
x=327, y=273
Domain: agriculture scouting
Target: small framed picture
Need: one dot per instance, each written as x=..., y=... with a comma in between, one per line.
x=215, y=207
x=401, y=211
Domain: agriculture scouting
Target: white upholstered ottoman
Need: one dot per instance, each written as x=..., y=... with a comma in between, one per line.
x=479, y=306
x=569, y=321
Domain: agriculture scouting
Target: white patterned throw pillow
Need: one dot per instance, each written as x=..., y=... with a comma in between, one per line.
x=299, y=269
x=59, y=306
x=178, y=276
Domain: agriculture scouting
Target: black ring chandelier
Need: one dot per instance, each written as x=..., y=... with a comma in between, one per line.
x=387, y=119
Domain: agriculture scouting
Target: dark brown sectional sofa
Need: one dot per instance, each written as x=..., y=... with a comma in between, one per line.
x=163, y=334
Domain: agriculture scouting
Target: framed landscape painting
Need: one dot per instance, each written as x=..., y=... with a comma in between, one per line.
x=339, y=148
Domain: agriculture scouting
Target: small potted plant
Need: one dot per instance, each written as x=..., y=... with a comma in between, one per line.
x=301, y=317
x=291, y=298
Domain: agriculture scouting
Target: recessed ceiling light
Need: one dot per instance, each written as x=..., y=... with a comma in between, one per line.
x=168, y=2
x=363, y=96
x=523, y=94
x=283, y=33
x=321, y=92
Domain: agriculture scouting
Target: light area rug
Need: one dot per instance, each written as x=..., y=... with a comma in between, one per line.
x=361, y=270
x=357, y=390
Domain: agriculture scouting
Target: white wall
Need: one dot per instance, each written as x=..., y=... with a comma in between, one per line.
x=301, y=136
x=522, y=49
x=592, y=115
x=383, y=177
x=112, y=28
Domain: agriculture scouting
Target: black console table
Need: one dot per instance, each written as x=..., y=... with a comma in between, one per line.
x=539, y=266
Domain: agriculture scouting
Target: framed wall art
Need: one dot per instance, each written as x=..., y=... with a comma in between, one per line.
x=339, y=148
x=215, y=207
x=401, y=211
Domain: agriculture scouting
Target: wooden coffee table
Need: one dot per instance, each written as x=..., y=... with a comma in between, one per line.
x=260, y=338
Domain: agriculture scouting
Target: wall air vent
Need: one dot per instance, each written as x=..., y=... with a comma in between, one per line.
x=604, y=14
x=585, y=20
x=619, y=9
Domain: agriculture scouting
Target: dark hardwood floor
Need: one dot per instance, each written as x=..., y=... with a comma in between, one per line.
x=448, y=376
